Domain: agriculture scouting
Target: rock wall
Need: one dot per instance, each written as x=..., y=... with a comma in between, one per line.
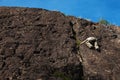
x=37, y=44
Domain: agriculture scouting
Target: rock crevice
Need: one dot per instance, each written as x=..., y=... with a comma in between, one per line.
x=37, y=44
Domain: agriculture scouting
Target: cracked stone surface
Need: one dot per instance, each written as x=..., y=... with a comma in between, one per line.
x=37, y=44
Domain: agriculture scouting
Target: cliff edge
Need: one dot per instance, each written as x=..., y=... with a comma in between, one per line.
x=37, y=44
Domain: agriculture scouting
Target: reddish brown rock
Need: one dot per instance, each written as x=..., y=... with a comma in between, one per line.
x=40, y=44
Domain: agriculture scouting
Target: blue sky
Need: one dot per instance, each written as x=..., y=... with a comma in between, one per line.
x=90, y=9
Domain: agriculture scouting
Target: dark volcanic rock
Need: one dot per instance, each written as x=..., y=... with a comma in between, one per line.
x=36, y=44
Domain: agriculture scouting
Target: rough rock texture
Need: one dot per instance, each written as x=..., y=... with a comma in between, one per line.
x=36, y=44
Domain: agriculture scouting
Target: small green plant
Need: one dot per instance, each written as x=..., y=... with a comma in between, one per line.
x=61, y=75
x=78, y=42
x=104, y=22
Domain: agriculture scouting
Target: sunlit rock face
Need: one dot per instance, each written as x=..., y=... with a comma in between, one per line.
x=37, y=44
